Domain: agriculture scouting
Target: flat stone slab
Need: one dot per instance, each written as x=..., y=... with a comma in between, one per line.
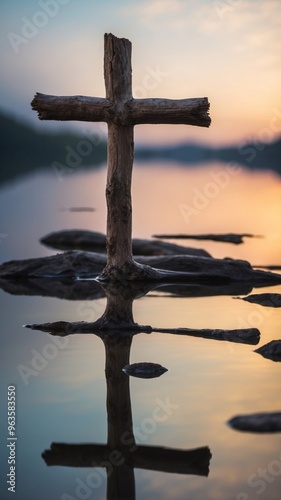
x=234, y=238
x=144, y=370
x=63, y=265
x=272, y=350
x=257, y=422
x=187, y=268
x=265, y=299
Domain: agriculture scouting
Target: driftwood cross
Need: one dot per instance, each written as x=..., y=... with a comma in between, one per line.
x=121, y=112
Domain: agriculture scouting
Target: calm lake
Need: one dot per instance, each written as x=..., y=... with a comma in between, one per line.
x=60, y=382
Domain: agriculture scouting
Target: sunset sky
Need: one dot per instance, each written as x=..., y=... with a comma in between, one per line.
x=227, y=50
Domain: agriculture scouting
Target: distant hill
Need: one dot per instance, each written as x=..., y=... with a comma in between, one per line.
x=24, y=149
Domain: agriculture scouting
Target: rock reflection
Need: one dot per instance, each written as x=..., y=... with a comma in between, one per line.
x=118, y=317
x=90, y=289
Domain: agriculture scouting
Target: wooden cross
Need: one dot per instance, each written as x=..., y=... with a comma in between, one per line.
x=121, y=112
x=121, y=455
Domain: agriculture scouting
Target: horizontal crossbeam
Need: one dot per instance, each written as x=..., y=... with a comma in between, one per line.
x=193, y=111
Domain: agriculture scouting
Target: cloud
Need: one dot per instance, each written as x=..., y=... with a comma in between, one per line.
x=159, y=14
x=160, y=7
x=250, y=30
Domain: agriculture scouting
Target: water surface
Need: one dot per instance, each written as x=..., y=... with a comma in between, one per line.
x=208, y=382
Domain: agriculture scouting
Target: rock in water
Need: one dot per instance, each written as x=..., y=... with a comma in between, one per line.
x=257, y=422
x=237, y=239
x=144, y=370
x=272, y=350
x=92, y=241
x=265, y=299
x=88, y=264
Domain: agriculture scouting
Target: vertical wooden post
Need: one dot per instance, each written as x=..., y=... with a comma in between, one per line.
x=118, y=83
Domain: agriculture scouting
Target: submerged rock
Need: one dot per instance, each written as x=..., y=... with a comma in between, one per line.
x=257, y=422
x=144, y=370
x=272, y=350
x=78, y=209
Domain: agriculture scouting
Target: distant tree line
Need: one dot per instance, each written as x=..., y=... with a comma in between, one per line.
x=24, y=149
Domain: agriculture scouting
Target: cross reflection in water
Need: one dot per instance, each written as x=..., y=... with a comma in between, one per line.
x=121, y=455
